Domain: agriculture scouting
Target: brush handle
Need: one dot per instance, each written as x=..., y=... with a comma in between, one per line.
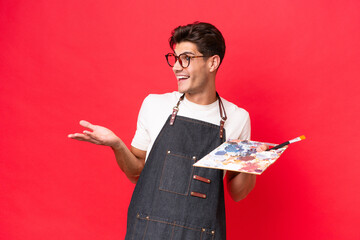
x=287, y=143
x=279, y=146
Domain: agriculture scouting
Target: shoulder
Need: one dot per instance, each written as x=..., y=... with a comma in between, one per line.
x=233, y=111
x=157, y=106
x=161, y=99
x=237, y=124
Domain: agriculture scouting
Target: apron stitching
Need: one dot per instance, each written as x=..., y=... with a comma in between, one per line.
x=134, y=228
x=147, y=223
x=172, y=232
x=200, y=122
x=194, y=229
x=173, y=224
x=192, y=173
x=174, y=192
x=161, y=179
x=159, y=136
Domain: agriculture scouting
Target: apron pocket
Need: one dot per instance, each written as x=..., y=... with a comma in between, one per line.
x=151, y=228
x=182, y=232
x=177, y=173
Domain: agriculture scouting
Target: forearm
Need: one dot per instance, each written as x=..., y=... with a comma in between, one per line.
x=129, y=162
x=240, y=184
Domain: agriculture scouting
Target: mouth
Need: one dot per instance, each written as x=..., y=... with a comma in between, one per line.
x=182, y=77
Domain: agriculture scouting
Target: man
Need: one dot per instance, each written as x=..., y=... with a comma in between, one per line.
x=172, y=199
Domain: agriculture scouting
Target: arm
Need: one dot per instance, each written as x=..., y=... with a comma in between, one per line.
x=239, y=185
x=131, y=162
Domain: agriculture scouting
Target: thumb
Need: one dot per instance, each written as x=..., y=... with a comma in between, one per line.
x=87, y=124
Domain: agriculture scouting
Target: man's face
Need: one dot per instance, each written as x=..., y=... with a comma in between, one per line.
x=194, y=78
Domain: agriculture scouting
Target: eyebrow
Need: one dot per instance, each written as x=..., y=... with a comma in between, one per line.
x=186, y=53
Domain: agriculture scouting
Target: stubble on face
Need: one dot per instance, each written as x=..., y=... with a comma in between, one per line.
x=193, y=79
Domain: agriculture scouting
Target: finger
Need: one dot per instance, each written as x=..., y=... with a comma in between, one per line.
x=92, y=136
x=73, y=135
x=88, y=133
x=79, y=136
x=87, y=124
x=83, y=137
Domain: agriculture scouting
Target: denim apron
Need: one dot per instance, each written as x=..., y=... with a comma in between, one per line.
x=172, y=199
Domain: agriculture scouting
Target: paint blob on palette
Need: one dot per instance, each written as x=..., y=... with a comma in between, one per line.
x=240, y=156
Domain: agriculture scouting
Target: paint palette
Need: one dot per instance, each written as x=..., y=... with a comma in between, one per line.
x=241, y=156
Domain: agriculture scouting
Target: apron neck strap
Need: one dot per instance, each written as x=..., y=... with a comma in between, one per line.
x=221, y=109
x=222, y=115
x=175, y=110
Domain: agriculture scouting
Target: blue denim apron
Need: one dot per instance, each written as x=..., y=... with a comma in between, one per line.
x=172, y=199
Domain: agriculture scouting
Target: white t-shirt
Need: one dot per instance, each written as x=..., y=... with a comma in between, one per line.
x=156, y=108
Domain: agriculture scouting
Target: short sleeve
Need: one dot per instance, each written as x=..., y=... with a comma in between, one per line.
x=141, y=138
x=246, y=131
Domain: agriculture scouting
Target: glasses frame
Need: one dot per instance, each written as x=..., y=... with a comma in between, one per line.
x=177, y=58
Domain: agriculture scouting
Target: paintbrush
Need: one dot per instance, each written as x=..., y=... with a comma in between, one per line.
x=287, y=143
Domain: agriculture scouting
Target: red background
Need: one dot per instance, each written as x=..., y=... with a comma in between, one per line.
x=294, y=65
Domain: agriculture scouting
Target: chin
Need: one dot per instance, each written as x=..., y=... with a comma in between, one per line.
x=183, y=86
x=181, y=90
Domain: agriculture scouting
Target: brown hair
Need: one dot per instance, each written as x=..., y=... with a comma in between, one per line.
x=205, y=36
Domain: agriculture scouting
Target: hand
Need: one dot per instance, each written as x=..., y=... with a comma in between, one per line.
x=262, y=148
x=99, y=135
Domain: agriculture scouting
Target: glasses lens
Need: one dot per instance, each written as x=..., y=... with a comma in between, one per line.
x=185, y=60
x=171, y=59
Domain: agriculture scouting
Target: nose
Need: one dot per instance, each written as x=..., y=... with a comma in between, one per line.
x=177, y=66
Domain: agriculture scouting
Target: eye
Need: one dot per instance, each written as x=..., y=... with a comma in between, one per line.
x=187, y=58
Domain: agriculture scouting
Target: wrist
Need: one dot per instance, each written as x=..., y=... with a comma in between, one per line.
x=117, y=145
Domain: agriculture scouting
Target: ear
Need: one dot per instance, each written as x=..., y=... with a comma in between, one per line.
x=214, y=63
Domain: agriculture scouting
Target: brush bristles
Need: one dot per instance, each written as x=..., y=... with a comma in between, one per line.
x=302, y=137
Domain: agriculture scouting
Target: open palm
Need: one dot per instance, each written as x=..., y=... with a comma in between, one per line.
x=98, y=135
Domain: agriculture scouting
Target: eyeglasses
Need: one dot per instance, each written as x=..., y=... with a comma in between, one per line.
x=183, y=58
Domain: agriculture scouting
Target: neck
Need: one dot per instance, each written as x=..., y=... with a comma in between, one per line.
x=202, y=98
